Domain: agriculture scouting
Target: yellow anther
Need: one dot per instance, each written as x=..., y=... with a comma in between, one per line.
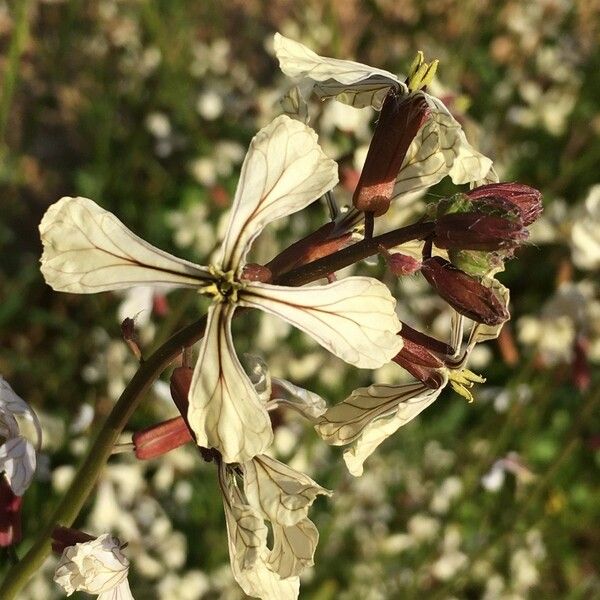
x=416, y=63
x=421, y=73
x=225, y=288
x=462, y=380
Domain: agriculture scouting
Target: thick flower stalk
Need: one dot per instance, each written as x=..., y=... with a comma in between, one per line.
x=87, y=250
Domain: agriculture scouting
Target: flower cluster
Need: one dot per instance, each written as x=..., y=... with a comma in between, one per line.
x=226, y=409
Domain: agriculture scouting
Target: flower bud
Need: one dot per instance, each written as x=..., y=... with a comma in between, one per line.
x=528, y=200
x=464, y=293
x=476, y=231
x=400, y=119
x=400, y=264
x=161, y=438
x=256, y=272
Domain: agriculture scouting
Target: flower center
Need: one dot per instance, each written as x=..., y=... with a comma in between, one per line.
x=225, y=288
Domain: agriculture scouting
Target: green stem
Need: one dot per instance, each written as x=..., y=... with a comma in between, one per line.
x=85, y=479
x=17, y=44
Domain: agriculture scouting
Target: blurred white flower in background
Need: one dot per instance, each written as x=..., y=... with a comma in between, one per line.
x=585, y=232
x=17, y=453
x=96, y=567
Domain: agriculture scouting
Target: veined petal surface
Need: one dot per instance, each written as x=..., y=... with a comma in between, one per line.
x=353, y=318
x=225, y=411
x=88, y=250
x=350, y=82
x=284, y=171
x=440, y=148
x=11, y=404
x=379, y=430
x=293, y=548
x=17, y=460
x=282, y=494
x=345, y=421
x=248, y=552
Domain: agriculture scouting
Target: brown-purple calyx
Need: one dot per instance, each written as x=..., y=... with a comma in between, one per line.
x=478, y=231
x=527, y=200
x=423, y=356
x=421, y=363
x=466, y=294
x=400, y=119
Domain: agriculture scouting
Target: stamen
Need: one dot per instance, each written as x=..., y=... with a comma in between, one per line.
x=421, y=73
x=225, y=288
x=462, y=381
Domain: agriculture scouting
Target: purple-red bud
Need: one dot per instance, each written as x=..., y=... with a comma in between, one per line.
x=477, y=231
x=464, y=293
x=10, y=515
x=528, y=200
x=161, y=438
x=400, y=119
x=400, y=264
x=256, y=272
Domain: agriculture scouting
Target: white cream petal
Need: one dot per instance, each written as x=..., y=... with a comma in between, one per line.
x=17, y=460
x=284, y=171
x=259, y=375
x=380, y=429
x=95, y=567
x=353, y=318
x=88, y=250
x=119, y=592
x=9, y=427
x=248, y=552
x=247, y=535
x=440, y=148
x=280, y=493
x=261, y=582
x=351, y=82
x=345, y=421
x=225, y=410
x=310, y=405
x=293, y=548
x=10, y=405
x=276, y=391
